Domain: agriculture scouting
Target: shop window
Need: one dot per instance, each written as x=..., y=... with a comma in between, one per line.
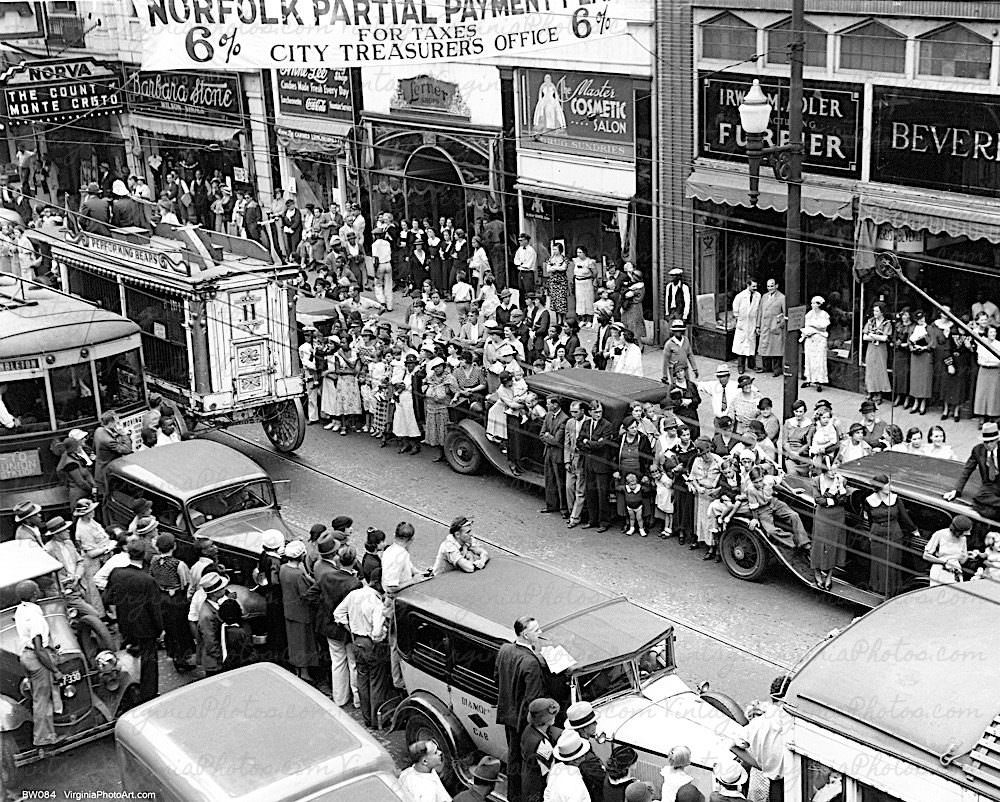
x=955, y=52
x=73, y=395
x=25, y=399
x=873, y=47
x=729, y=38
x=164, y=340
x=780, y=36
x=821, y=783
x=119, y=381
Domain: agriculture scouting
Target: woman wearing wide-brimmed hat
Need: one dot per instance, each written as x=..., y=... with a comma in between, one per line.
x=95, y=545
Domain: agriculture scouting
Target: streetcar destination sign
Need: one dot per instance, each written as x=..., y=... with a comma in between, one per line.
x=254, y=34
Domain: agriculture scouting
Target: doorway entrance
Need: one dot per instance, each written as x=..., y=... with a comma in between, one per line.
x=434, y=188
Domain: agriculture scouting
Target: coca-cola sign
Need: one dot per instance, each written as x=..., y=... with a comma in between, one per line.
x=315, y=92
x=578, y=112
x=196, y=97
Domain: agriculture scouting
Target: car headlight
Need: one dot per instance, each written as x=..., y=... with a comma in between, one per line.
x=25, y=688
x=69, y=691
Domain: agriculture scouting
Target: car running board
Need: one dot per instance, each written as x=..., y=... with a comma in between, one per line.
x=37, y=753
x=798, y=563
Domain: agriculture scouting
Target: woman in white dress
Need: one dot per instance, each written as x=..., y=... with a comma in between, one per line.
x=404, y=419
x=548, y=114
x=509, y=401
x=815, y=333
x=584, y=274
x=629, y=361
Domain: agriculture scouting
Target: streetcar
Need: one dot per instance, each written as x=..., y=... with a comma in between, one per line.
x=63, y=362
x=216, y=319
x=901, y=705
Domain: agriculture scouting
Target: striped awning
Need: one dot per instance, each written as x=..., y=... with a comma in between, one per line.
x=731, y=187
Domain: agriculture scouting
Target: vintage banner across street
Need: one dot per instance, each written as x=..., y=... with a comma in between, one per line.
x=254, y=34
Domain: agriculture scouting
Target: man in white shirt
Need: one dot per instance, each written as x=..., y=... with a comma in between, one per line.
x=398, y=572
x=307, y=358
x=678, y=298
x=382, y=257
x=526, y=262
x=459, y=550
x=7, y=421
x=420, y=781
x=362, y=612
x=722, y=392
x=39, y=660
x=764, y=737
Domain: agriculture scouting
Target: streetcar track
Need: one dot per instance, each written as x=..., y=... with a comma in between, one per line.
x=299, y=462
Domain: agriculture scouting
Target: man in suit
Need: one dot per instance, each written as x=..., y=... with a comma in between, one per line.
x=95, y=212
x=521, y=678
x=291, y=227
x=985, y=458
x=136, y=599
x=538, y=322
x=472, y=330
x=333, y=582
x=595, y=441
x=110, y=443
x=604, y=330
x=576, y=486
x=553, y=436
x=252, y=218
x=28, y=517
x=209, y=623
x=770, y=331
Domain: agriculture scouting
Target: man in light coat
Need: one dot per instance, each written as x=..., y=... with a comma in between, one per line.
x=553, y=435
x=576, y=485
x=771, y=318
x=746, y=306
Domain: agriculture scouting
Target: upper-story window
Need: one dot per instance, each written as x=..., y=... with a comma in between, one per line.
x=729, y=38
x=873, y=47
x=955, y=52
x=780, y=36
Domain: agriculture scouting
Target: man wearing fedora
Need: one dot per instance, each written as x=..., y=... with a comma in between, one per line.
x=95, y=212
x=334, y=580
x=28, y=517
x=209, y=623
x=730, y=777
x=136, y=598
x=60, y=545
x=565, y=782
x=677, y=351
x=721, y=392
x=580, y=716
x=985, y=457
x=484, y=779
x=537, y=744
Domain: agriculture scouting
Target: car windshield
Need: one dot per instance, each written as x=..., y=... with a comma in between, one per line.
x=626, y=676
x=220, y=503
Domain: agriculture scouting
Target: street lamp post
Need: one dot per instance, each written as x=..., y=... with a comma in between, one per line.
x=755, y=113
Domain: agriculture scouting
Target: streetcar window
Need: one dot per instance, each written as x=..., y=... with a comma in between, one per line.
x=119, y=380
x=24, y=400
x=73, y=395
x=820, y=782
x=869, y=794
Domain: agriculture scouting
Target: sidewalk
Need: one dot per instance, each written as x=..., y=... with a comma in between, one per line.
x=962, y=436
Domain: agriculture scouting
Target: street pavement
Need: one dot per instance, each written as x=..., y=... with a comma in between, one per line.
x=736, y=635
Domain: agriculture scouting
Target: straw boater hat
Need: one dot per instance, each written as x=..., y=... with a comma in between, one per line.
x=84, y=506
x=570, y=746
x=25, y=510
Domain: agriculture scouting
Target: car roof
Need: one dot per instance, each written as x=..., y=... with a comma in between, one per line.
x=880, y=679
x=594, y=625
x=615, y=391
x=381, y=787
x=255, y=733
x=925, y=479
x=24, y=559
x=187, y=469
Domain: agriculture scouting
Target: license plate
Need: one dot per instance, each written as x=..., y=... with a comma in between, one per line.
x=71, y=677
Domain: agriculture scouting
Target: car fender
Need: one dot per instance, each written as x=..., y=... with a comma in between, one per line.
x=12, y=714
x=726, y=705
x=477, y=433
x=428, y=704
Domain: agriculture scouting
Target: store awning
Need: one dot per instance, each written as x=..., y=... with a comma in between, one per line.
x=199, y=131
x=574, y=196
x=731, y=188
x=939, y=213
x=297, y=141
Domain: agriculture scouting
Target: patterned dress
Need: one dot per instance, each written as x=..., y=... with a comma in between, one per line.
x=438, y=391
x=556, y=285
x=346, y=398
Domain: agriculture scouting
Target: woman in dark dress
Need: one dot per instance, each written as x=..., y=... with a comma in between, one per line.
x=572, y=331
x=829, y=533
x=433, y=247
x=685, y=397
x=268, y=579
x=887, y=520
x=955, y=375
x=901, y=357
x=923, y=339
x=683, y=522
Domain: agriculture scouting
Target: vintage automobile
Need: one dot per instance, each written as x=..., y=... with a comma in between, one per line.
x=450, y=629
x=95, y=689
x=467, y=446
x=254, y=734
x=200, y=488
x=902, y=704
x=921, y=482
